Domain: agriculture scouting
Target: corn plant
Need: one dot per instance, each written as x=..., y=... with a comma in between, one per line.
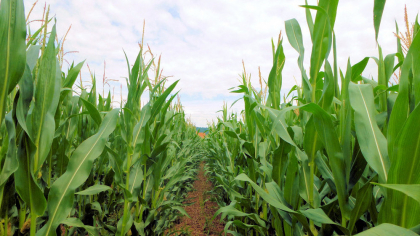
x=72, y=163
x=338, y=157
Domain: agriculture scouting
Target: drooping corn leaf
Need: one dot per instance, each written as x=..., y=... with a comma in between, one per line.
x=266, y=196
x=294, y=35
x=61, y=195
x=75, y=222
x=411, y=190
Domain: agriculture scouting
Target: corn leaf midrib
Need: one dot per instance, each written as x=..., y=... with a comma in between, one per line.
x=72, y=177
x=374, y=134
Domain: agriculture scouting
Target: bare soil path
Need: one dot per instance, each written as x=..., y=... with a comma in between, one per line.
x=201, y=211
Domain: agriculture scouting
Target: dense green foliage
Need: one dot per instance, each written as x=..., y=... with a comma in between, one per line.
x=338, y=156
x=72, y=164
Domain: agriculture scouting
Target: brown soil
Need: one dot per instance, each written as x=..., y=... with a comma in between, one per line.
x=202, y=135
x=202, y=211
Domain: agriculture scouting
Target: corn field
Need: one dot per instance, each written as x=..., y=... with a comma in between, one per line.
x=339, y=155
x=71, y=162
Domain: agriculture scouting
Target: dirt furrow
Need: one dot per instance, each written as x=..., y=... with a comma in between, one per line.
x=201, y=211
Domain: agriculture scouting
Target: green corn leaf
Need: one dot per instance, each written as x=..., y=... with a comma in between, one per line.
x=139, y=130
x=322, y=38
x=382, y=81
x=387, y=230
x=75, y=222
x=399, y=47
x=134, y=74
x=279, y=162
x=411, y=190
x=358, y=165
x=136, y=179
x=378, y=10
x=93, y=112
x=373, y=143
x=357, y=69
x=325, y=129
x=181, y=210
x=70, y=79
x=25, y=183
x=127, y=226
x=279, y=126
x=116, y=164
x=242, y=225
x=291, y=187
x=162, y=98
x=400, y=110
x=40, y=120
x=389, y=63
x=275, y=77
x=325, y=170
x=311, y=140
x=363, y=197
x=229, y=210
x=328, y=90
x=304, y=178
x=12, y=48
x=309, y=20
x=61, y=195
x=266, y=196
x=10, y=163
x=404, y=166
x=34, y=38
x=72, y=75
x=294, y=35
x=32, y=56
x=26, y=88
x=345, y=120
x=318, y=215
x=95, y=189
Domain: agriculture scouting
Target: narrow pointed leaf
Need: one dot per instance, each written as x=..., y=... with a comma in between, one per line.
x=378, y=10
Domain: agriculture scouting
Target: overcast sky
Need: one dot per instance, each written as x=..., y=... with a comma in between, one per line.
x=203, y=43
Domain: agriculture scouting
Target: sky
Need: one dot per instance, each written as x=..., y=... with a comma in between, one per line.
x=203, y=43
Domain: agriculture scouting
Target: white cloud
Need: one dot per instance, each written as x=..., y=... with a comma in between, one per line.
x=203, y=42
